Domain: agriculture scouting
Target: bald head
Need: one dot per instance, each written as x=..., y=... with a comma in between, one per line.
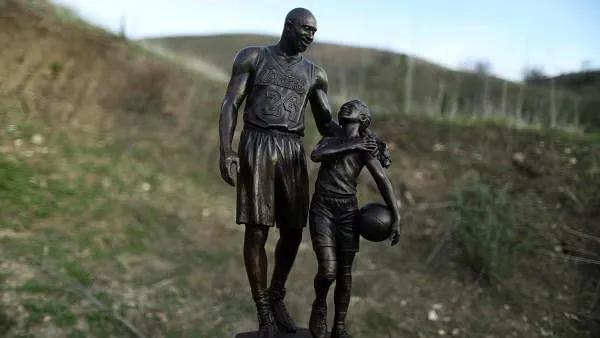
x=300, y=15
x=299, y=30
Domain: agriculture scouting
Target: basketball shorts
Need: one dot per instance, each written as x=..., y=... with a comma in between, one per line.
x=272, y=182
x=333, y=222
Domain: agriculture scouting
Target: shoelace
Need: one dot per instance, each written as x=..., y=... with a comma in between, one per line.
x=320, y=309
x=265, y=317
x=276, y=295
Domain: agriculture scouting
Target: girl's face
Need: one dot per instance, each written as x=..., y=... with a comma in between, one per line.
x=351, y=127
x=355, y=113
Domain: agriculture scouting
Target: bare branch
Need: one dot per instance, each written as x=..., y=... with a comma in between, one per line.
x=581, y=234
x=575, y=259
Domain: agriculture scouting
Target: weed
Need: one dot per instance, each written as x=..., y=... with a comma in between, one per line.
x=78, y=272
x=56, y=67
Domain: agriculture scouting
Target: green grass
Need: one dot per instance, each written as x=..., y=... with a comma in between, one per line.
x=63, y=208
x=59, y=313
x=78, y=272
x=37, y=286
x=20, y=189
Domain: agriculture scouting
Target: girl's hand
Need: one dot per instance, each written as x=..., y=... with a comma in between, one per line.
x=367, y=144
x=395, y=235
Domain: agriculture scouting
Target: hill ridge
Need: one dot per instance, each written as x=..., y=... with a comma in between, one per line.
x=393, y=82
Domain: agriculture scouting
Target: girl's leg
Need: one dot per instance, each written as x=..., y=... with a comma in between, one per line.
x=325, y=277
x=326, y=274
x=343, y=288
x=322, y=233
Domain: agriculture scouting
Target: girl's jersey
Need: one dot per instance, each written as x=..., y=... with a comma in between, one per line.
x=338, y=176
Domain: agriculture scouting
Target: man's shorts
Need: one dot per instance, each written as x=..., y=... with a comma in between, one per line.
x=272, y=182
x=333, y=222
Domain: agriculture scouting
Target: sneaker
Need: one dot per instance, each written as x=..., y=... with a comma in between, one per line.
x=283, y=319
x=340, y=332
x=318, y=321
x=266, y=323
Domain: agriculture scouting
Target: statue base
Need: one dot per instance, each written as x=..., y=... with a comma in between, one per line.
x=301, y=333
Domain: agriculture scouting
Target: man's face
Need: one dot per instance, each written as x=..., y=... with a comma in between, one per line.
x=303, y=32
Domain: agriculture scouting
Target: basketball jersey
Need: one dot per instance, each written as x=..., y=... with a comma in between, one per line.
x=339, y=175
x=278, y=92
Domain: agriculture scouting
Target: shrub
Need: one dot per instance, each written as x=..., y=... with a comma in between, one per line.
x=487, y=231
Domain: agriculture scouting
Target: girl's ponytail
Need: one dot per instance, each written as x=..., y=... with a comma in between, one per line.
x=383, y=151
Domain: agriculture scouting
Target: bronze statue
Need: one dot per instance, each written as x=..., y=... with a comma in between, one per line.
x=270, y=173
x=334, y=213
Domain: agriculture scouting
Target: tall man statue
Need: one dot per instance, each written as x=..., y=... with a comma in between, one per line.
x=272, y=182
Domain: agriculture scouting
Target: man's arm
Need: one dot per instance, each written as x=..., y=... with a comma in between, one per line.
x=320, y=105
x=236, y=92
x=387, y=192
x=325, y=123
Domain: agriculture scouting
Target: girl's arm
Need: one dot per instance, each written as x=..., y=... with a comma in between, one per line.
x=332, y=146
x=387, y=192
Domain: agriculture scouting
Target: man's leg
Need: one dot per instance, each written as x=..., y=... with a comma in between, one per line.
x=291, y=207
x=343, y=288
x=285, y=255
x=255, y=259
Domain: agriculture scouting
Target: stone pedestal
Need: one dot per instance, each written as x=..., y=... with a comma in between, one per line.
x=301, y=333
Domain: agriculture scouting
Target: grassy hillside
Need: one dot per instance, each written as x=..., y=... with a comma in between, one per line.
x=397, y=82
x=114, y=222
x=586, y=85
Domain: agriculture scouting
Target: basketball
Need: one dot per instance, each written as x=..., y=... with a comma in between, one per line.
x=375, y=222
